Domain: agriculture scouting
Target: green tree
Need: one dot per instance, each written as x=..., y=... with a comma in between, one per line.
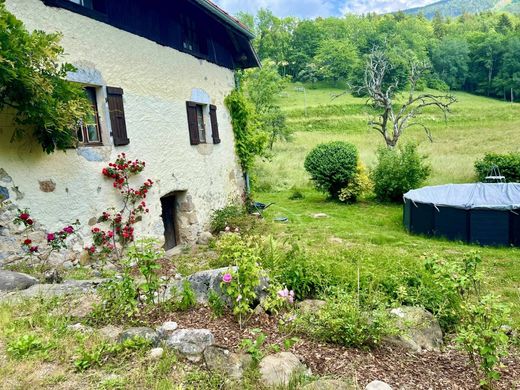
x=32, y=82
x=262, y=87
x=336, y=60
x=450, y=60
x=508, y=78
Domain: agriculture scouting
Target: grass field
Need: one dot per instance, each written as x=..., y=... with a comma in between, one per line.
x=477, y=125
x=373, y=233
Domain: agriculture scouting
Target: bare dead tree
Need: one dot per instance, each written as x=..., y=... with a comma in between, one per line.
x=392, y=122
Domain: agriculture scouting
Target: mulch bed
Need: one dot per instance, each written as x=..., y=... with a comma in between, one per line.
x=397, y=367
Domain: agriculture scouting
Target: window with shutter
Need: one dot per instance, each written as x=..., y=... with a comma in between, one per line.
x=214, y=124
x=117, y=116
x=193, y=127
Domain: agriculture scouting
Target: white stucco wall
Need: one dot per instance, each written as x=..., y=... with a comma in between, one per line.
x=157, y=81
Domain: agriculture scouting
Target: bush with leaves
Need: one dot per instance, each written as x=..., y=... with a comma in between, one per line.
x=332, y=166
x=360, y=185
x=398, y=171
x=343, y=320
x=507, y=164
x=240, y=283
x=32, y=82
x=232, y=216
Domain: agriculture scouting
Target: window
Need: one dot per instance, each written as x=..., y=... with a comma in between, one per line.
x=89, y=131
x=197, y=114
x=200, y=123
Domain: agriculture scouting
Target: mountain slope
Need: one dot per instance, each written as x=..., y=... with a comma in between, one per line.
x=459, y=7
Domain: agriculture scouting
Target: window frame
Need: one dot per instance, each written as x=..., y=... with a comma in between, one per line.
x=202, y=127
x=83, y=127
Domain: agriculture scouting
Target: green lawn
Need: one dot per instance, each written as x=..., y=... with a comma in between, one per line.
x=373, y=233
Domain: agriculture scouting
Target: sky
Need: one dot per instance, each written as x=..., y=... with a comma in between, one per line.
x=315, y=8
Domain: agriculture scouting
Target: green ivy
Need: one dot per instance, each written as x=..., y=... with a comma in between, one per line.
x=250, y=141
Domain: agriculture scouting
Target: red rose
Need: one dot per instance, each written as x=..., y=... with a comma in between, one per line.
x=50, y=237
x=33, y=249
x=27, y=241
x=29, y=221
x=24, y=216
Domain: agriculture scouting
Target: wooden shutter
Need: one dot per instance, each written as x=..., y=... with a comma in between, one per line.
x=214, y=124
x=191, y=109
x=117, y=116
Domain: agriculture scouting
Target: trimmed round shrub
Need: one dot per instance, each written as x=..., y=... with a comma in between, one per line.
x=398, y=171
x=332, y=166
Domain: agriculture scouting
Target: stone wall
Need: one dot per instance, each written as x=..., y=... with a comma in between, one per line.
x=157, y=81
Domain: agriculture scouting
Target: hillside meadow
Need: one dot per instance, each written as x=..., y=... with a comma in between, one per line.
x=369, y=233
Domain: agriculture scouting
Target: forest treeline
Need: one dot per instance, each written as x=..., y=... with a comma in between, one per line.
x=474, y=53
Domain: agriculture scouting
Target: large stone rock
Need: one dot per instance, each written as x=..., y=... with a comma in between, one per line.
x=278, y=369
x=231, y=364
x=13, y=281
x=140, y=332
x=166, y=329
x=328, y=384
x=69, y=287
x=190, y=342
x=110, y=332
x=419, y=330
x=204, y=238
x=310, y=306
x=378, y=385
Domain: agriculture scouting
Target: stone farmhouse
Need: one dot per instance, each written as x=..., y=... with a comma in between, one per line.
x=156, y=73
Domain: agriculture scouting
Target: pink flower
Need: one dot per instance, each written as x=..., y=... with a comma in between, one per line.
x=68, y=229
x=50, y=237
x=237, y=230
x=227, y=229
x=227, y=278
x=239, y=298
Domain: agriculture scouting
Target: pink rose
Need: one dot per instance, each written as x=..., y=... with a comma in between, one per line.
x=227, y=278
x=50, y=237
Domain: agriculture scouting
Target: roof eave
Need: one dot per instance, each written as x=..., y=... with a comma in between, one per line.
x=221, y=14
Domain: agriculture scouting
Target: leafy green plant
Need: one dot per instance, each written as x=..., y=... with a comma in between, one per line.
x=240, y=283
x=254, y=346
x=216, y=304
x=296, y=194
x=188, y=298
x=119, y=300
x=360, y=185
x=231, y=217
x=33, y=80
x=26, y=345
x=398, y=171
x=250, y=140
x=145, y=255
x=344, y=321
x=508, y=164
x=332, y=166
x=482, y=336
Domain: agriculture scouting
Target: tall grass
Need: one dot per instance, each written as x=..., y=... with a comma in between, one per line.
x=477, y=125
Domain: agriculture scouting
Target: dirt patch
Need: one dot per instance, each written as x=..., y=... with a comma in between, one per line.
x=397, y=367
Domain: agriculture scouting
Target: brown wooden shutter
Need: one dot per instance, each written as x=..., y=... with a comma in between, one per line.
x=191, y=109
x=214, y=124
x=117, y=116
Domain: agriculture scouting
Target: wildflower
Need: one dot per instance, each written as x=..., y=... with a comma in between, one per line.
x=239, y=298
x=50, y=237
x=227, y=278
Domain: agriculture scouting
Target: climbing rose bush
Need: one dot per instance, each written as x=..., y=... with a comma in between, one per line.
x=117, y=229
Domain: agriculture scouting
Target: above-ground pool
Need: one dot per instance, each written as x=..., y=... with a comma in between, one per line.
x=481, y=213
